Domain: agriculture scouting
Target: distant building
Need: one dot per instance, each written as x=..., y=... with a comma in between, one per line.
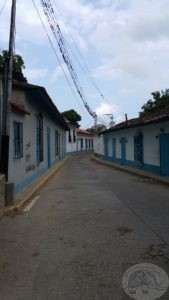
x=84, y=140
x=141, y=143
x=98, y=144
x=77, y=139
x=71, y=137
x=37, y=134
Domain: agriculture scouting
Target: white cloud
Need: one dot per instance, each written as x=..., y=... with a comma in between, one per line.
x=108, y=108
x=125, y=42
x=35, y=73
x=59, y=72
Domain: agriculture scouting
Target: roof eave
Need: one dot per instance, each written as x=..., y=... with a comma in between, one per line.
x=162, y=119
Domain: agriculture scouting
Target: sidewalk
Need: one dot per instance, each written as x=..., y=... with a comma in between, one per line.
x=138, y=172
x=22, y=197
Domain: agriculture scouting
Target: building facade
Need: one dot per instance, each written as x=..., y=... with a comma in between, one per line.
x=84, y=140
x=77, y=139
x=71, y=137
x=98, y=142
x=141, y=143
x=37, y=134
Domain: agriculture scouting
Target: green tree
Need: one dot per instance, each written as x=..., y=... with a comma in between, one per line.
x=159, y=101
x=99, y=128
x=71, y=115
x=18, y=66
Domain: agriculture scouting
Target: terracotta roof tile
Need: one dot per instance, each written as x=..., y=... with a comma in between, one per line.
x=79, y=130
x=159, y=116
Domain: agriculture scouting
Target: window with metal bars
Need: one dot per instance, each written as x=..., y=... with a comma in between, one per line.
x=18, y=139
x=86, y=142
x=74, y=135
x=138, y=148
x=39, y=138
x=56, y=143
x=69, y=138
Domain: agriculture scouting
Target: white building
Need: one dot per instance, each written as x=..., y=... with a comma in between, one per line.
x=84, y=140
x=77, y=139
x=37, y=134
x=71, y=137
x=141, y=143
x=98, y=142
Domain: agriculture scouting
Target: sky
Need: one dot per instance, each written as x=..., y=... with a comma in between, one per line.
x=123, y=43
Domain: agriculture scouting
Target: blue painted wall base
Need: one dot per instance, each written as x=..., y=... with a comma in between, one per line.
x=134, y=164
x=21, y=185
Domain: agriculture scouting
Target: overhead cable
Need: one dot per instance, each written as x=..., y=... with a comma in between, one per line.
x=54, y=50
x=55, y=28
x=3, y=6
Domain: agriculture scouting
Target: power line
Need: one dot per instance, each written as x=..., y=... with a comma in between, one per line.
x=51, y=18
x=55, y=28
x=3, y=6
x=88, y=73
x=54, y=50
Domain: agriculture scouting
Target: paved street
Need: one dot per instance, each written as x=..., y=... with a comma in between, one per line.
x=89, y=225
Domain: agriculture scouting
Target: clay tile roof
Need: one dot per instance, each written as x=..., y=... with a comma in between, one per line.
x=40, y=95
x=159, y=116
x=19, y=108
x=82, y=131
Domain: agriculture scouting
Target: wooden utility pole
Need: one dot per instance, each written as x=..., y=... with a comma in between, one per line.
x=7, y=96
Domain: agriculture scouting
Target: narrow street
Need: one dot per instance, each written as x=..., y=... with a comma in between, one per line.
x=89, y=225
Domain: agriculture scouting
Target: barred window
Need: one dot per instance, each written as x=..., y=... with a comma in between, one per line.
x=86, y=142
x=39, y=138
x=18, y=139
x=138, y=147
x=56, y=143
x=69, y=138
x=74, y=135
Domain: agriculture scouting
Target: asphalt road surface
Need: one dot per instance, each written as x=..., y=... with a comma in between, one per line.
x=90, y=223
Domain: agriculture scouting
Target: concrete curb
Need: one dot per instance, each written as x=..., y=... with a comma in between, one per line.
x=130, y=171
x=17, y=207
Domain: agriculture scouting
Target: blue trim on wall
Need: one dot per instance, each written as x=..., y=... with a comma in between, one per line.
x=134, y=164
x=80, y=151
x=21, y=185
x=55, y=161
x=152, y=168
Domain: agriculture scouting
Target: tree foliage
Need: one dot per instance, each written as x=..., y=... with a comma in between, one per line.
x=18, y=66
x=99, y=128
x=159, y=101
x=71, y=115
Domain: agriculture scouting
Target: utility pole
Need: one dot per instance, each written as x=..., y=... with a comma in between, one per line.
x=111, y=116
x=7, y=96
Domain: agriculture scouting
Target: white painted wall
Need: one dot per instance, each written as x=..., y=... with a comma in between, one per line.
x=151, y=142
x=71, y=146
x=84, y=137
x=98, y=144
x=18, y=166
x=151, y=154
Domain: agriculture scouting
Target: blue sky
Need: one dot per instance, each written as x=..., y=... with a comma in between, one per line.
x=125, y=44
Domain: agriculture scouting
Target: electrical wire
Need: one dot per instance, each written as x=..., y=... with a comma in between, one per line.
x=3, y=6
x=54, y=50
x=87, y=71
x=55, y=28
x=51, y=18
